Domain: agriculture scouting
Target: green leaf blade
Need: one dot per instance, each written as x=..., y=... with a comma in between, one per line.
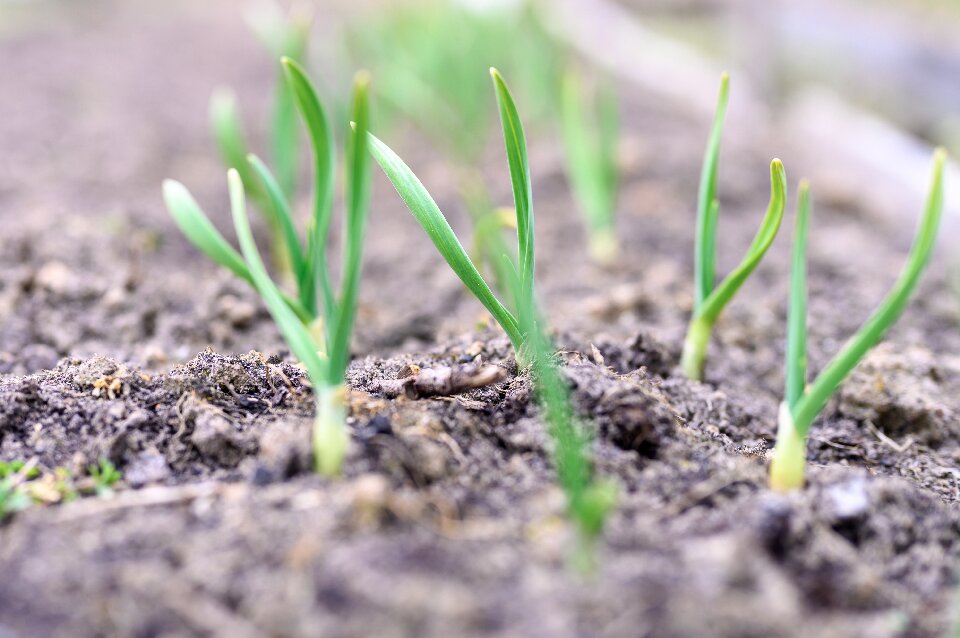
x=357, y=202
x=714, y=304
x=796, y=364
x=196, y=226
x=324, y=156
x=704, y=250
x=291, y=327
x=516, y=147
x=228, y=134
x=426, y=212
x=893, y=305
x=275, y=194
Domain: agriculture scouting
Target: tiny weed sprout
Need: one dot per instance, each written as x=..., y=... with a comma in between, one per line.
x=317, y=323
x=589, y=501
x=711, y=298
x=590, y=132
x=802, y=402
x=285, y=36
x=105, y=475
x=14, y=492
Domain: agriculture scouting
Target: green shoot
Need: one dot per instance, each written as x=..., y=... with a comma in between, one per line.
x=590, y=133
x=317, y=324
x=706, y=313
x=105, y=475
x=283, y=36
x=14, y=486
x=589, y=501
x=795, y=373
x=13, y=497
x=709, y=299
x=431, y=219
x=708, y=206
x=801, y=408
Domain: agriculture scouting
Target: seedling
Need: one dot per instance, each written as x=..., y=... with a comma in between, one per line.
x=317, y=324
x=803, y=402
x=105, y=475
x=284, y=36
x=14, y=479
x=588, y=501
x=711, y=298
x=13, y=497
x=590, y=133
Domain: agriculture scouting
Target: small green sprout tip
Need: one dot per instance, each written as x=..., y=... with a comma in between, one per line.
x=105, y=475
x=803, y=403
x=590, y=134
x=317, y=324
x=707, y=311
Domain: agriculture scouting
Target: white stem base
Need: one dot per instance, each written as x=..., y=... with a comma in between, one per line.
x=330, y=438
x=789, y=455
x=695, y=349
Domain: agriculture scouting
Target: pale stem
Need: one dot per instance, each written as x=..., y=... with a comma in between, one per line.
x=789, y=455
x=330, y=438
x=695, y=349
x=604, y=246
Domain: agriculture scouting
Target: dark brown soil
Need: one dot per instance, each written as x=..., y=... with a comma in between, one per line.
x=448, y=521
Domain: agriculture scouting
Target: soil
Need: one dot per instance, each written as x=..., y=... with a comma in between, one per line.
x=119, y=341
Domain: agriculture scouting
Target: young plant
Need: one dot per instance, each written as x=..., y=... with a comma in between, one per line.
x=802, y=402
x=590, y=132
x=14, y=483
x=284, y=36
x=588, y=500
x=317, y=324
x=711, y=298
x=105, y=475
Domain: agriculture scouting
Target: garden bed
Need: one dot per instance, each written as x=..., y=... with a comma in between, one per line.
x=448, y=520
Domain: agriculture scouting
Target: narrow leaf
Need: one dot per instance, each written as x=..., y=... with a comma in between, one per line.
x=194, y=223
x=725, y=291
x=704, y=253
x=796, y=365
x=426, y=212
x=228, y=134
x=292, y=329
x=284, y=215
x=200, y=231
x=324, y=155
x=358, y=195
x=584, y=169
x=830, y=378
x=516, y=147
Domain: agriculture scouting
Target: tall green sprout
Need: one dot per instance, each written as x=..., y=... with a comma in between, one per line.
x=317, y=323
x=588, y=500
x=803, y=402
x=284, y=36
x=590, y=133
x=711, y=298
